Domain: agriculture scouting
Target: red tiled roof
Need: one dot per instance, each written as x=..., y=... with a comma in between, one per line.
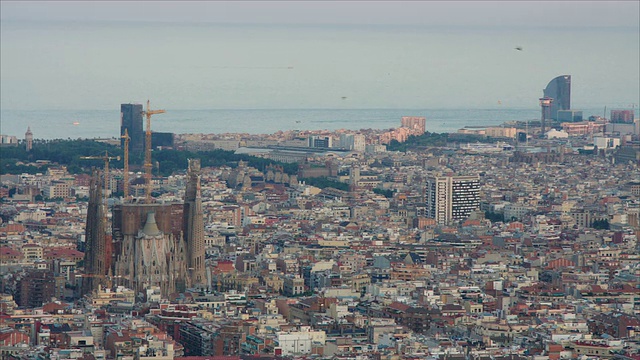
x=19, y=228
x=63, y=253
x=7, y=251
x=399, y=306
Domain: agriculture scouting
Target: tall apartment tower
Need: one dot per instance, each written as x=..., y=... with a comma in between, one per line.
x=131, y=120
x=35, y=288
x=193, y=225
x=559, y=89
x=452, y=198
x=28, y=138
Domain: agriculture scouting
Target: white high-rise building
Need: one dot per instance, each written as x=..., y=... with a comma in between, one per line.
x=452, y=198
x=359, y=143
x=355, y=142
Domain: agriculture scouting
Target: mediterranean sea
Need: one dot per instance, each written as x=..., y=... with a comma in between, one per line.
x=88, y=124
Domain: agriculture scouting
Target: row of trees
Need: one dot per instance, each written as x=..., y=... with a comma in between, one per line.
x=171, y=161
x=388, y=193
x=14, y=159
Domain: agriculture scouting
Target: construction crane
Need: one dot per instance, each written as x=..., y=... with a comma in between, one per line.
x=126, y=138
x=106, y=158
x=147, y=153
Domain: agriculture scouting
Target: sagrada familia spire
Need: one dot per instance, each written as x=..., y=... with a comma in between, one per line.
x=97, y=254
x=193, y=224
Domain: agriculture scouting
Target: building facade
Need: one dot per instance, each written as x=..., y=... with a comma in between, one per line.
x=355, y=142
x=622, y=116
x=416, y=123
x=149, y=250
x=36, y=288
x=320, y=141
x=452, y=198
x=57, y=189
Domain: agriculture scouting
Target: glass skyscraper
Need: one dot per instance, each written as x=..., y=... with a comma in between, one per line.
x=131, y=119
x=559, y=89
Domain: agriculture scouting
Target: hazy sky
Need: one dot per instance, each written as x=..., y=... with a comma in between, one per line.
x=359, y=54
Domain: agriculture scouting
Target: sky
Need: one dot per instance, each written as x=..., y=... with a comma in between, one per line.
x=325, y=54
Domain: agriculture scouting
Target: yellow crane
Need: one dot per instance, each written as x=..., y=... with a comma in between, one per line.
x=126, y=138
x=106, y=158
x=147, y=153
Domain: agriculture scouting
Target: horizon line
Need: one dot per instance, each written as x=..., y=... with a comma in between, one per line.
x=537, y=108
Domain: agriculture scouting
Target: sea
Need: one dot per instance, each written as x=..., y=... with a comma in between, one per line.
x=91, y=124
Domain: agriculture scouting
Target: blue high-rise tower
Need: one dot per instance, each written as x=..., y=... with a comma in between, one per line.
x=131, y=119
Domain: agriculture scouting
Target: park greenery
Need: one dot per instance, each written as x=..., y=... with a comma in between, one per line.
x=325, y=182
x=429, y=139
x=494, y=217
x=602, y=224
x=69, y=153
x=386, y=193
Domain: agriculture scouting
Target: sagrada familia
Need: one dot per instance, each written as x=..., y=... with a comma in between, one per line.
x=146, y=244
